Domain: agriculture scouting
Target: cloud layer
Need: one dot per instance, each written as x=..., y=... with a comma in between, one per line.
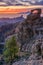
x=21, y=2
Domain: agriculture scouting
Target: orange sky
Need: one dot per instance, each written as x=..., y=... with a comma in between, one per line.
x=12, y=11
x=16, y=9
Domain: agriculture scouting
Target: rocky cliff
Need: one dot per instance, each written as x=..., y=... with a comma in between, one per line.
x=27, y=31
x=30, y=36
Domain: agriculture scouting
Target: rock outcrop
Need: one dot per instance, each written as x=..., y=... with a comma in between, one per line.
x=30, y=36
x=27, y=30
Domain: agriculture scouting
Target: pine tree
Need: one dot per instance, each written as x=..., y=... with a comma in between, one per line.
x=10, y=50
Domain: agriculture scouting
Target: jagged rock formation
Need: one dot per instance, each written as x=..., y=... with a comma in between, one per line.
x=27, y=31
x=30, y=35
x=30, y=62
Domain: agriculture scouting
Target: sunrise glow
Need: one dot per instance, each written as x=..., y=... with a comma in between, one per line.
x=16, y=9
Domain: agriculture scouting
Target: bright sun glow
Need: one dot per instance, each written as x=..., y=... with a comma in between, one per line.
x=16, y=9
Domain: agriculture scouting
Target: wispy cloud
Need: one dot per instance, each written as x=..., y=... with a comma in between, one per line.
x=2, y=3
x=22, y=2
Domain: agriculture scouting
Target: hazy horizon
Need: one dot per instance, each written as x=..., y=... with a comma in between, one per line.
x=11, y=8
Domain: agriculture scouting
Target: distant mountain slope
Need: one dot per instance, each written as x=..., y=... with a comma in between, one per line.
x=4, y=21
x=8, y=25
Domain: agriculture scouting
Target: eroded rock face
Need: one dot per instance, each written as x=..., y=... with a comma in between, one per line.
x=35, y=14
x=26, y=31
x=30, y=35
x=37, y=52
x=37, y=47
